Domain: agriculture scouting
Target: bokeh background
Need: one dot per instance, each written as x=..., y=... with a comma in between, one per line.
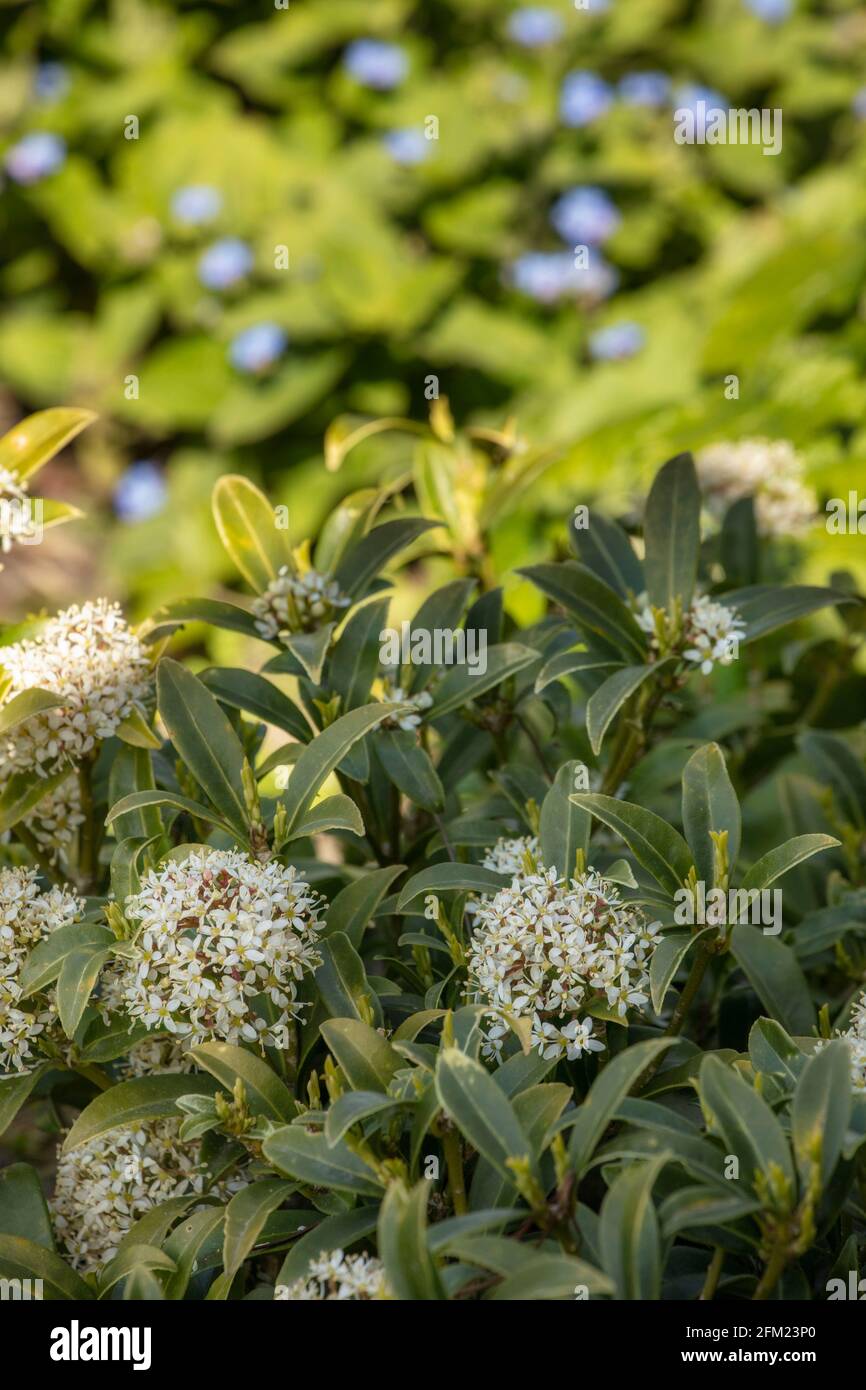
x=226, y=224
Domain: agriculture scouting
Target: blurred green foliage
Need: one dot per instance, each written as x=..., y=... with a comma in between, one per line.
x=385, y=273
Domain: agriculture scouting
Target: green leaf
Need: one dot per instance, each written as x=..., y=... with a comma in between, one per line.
x=37, y=438
x=22, y=792
x=354, y=661
x=311, y=1160
x=672, y=534
x=709, y=804
x=136, y=731
x=322, y=755
x=366, y=1058
x=353, y=1108
x=245, y=1217
x=551, y=1276
x=309, y=649
x=595, y=606
x=25, y=705
x=462, y=683
x=784, y=857
x=606, y=702
x=45, y=961
x=354, y=905
x=656, y=845
x=451, y=878
x=15, y=1091
x=409, y=767
x=129, y=1102
x=142, y=801
x=337, y=812
x=76, y=982
x=667, y=958
x=564, y=827
x=342, y=980
x=607, y=1091
x=185, y=1244
x=334, y=1233
x=132, y=772
x=606, y=549
x=571, y=664
x=214, y=612
x=247, y=527
x=23, y=1211
x=132, y=1260
x=821, y=1110
x=266, y=1093
x=125, y=878
x=403, y=1243
x=745, y=1122
x=629, y=1235
x=442, y=611
x=204, y=739
x=363, y=560
x=24, y=1259
x=764, y=609
x=771, y=1050
x=837, y=765
x=774, y=973
x=247, y=691
x=480, y=1110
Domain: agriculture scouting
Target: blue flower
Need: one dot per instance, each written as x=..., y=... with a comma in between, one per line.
x=585, y=216
x=616, y=343
x=258, y=348
x=196, y=204
x=701, y=101
x=141, y=492
x=50, y=83
x=407, y=146
x=534, y=26
x=548, y=276
x=583, y=98
x=773, y=11
x=645, y=88
x=35, y=157
x=858, y=105
x=225, y=263
x=376, y=64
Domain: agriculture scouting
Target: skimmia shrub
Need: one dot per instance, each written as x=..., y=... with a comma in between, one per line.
x=474, y=956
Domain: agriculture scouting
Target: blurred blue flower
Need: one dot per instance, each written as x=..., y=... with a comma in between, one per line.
x=50, y=82
x=225, y=263
x=583, y=98
x=258, y=348
x=376, y=64
x=196, y=204
x=690, y=97
x=645, y=88
x=773, y=11
x=858, y=105
x=141, y=492
x=534, y=26
x=407, y=146
x=585, y=216
x=35, y=157
x=548, y=276
x=616, y=343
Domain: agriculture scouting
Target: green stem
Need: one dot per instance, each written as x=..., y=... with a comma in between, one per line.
x=711, y=1282
x=92, y=1073
x=771, y=1276
x=456, y=1181
x=539, y=751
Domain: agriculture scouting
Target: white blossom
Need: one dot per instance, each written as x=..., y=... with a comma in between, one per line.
x=711, y=632
x=855, y=1037
x=395, y=695
x=27, y=916
x=297, y=603
x=105, y=1186
x=96, y=665
x=336, y=1277
x=214, y=931
x=547, y=947
x=511, y=856
x=768, y=470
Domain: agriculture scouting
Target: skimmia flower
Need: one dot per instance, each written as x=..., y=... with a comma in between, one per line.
x=855, y=1037
x=335, y=1276
x=767, y=470
x=511, y=856
x=96, y=665
x=376, y=64
x=214, y=932
x=710, y=636
x=395, y=695
x=547, y=948
x=105, y=1186
x=297, y=603
x=27, y=916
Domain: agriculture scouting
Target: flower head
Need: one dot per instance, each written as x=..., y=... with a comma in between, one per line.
x=225, y=263
x=768, y=470
x=105, y=1186
x=297, y=603
x=534, y=26
x=98, y=668
x=215, y=931
x=711, y=632
x=650, y=89
x=512, y=856
x=549, y=276
x=584, y=97
x=141, y=491
x=196, y=204
x=35, y=157
x=27, y=916
x=258, y=348
x=395, y=695
x=376, y=64
x=585, y=216
x=335, y=1276
x=50, y=83
x=617, y=342
x=547, y=948
x=407, y=146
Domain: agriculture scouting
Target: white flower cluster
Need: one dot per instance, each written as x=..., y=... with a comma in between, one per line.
x=337, y=1277
x=297, y=603
x=27, y=916
x=510, y=856
x=546, y=948
x=103, y=1187
x=216, y=930
x=855, y=1037
x=156, y=1057
x=55, y=819
x=396, y=695
x=768, y=470
x=712, y=632
x=90, y=659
